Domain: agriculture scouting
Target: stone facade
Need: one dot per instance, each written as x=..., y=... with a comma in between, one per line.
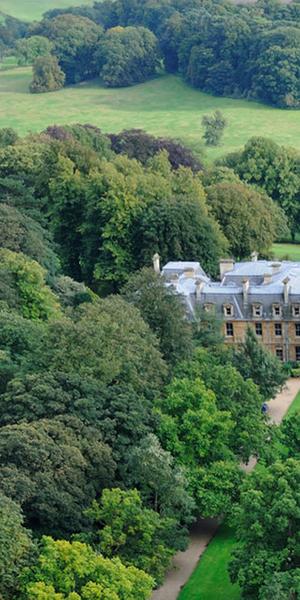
x=264, y=295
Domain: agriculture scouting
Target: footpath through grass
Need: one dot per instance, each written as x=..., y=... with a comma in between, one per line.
x=210, y=580
x=164, y=106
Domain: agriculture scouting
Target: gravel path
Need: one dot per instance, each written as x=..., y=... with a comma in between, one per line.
x=184, y=563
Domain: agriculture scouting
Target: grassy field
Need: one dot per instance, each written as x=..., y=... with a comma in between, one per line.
x=287, y=251
x=28, y=10
x=163, y=106
x=210, y=580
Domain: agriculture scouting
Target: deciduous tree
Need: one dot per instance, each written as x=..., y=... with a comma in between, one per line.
x=268, y=521
x=163, y=311
x=73, y=571
x=47, y=75
x=137, y=535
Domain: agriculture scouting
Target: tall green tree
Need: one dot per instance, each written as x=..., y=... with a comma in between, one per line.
x=47, y=75
x=127, y=56
x=21, y=233
x=197, y=433
x=21, y=344
x=163, y=311
x=235, y=394
x=251, y=221
x=177, y=228
x=23, y=287
x=163, y=485
x=213, y=128
x=267, y=523
x=254, y=361
x=274, y=168
x=73, y=571
x=15, y=546
x=75, y=39
x=137, y=535
x=109, y=342
x=29, y=49
x=54, y=468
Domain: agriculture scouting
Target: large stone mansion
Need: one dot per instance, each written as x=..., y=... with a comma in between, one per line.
x=260, y=293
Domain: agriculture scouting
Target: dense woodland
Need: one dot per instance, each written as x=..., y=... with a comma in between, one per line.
x=250, y=51
x=120, y=421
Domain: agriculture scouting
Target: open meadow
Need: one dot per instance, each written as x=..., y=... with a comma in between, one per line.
x=164, y=106
x=29, y=10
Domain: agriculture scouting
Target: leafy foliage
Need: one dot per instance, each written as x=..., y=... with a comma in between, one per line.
x=163, y=485
x=213, y=128
x=267, y=523
x=163, y=312
x=273, y=168
x=73, y=571
x=235, y=394
x=137, y=535
x=256, y=362
x=15, y=546
x=47, y=75
x=54, y=468
x=29, y=49
x=250, y=220
x=127, y=56
x=21, y=233
x=136, y=143
x=197, y=433
x=75, y=40
x=114, y=343
x=23, y=286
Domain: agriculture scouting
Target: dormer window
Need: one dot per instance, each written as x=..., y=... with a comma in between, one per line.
x=257, y=310
x=277, y=310
x=296, y=310
x=209, y=307
x=228, y=310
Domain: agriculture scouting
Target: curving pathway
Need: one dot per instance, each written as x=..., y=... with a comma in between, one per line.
x=185, y=562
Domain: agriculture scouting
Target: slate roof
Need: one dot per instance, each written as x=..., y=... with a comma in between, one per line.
x=197, y=287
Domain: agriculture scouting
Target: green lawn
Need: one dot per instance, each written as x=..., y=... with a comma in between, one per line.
x=210, y=580
x=162, y=106
x=28, y=10
x=287, y=251
x=295, y=406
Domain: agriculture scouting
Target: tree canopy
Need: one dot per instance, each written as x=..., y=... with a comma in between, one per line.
x=73, y=571
x=127, y=55
x=163, y=312
x=267, y=523
x=251, y=221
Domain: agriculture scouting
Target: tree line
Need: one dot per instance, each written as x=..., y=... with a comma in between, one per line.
x=250, y=51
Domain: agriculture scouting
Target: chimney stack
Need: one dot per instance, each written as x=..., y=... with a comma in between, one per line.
x=276, y=267
x=254, y=256
x=199, y=284
x=245, y=285
x=226, y=265
x=156, y=263
x=267, y=278
x=286, y=289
